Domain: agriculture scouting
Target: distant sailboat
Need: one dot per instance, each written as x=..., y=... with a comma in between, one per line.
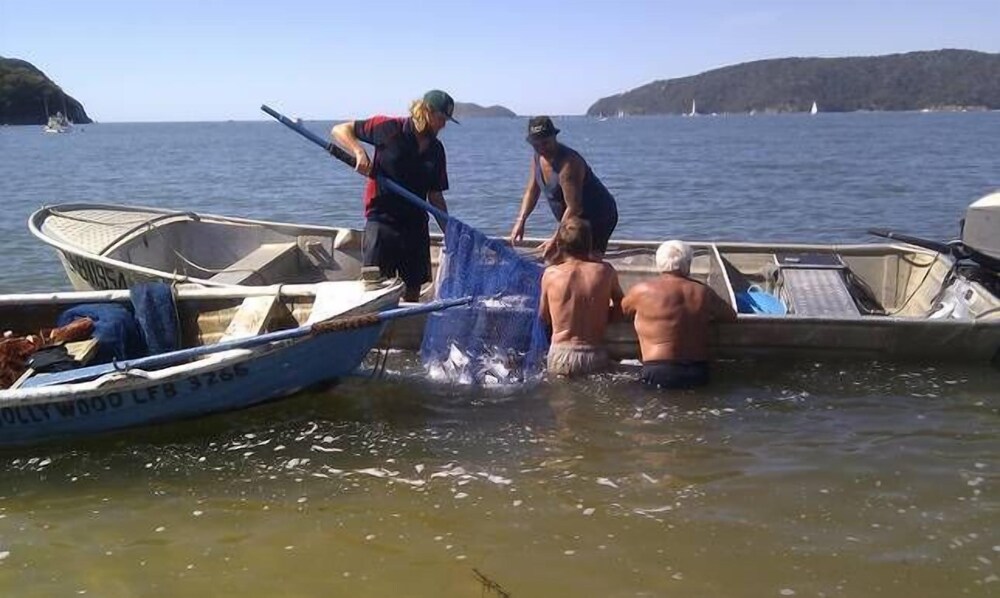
x=58, y=123
x=814, y=109
x=55, y=123
x=621, y=114
x=694, y=110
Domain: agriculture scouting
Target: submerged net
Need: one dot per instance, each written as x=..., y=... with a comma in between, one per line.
x=498, y=338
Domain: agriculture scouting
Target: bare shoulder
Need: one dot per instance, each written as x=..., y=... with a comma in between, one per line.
x=572, y=165
x=608, y=269
x=595, y=267
x=553, y=272
x=575, y=158
x=702, y=287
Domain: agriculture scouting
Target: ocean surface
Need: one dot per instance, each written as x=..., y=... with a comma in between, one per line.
x=827, y=479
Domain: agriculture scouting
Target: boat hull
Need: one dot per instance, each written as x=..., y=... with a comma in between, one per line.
x=87, y=274
x=225, y=385
x=906, y=280
x=794, y=338
x=236, y=348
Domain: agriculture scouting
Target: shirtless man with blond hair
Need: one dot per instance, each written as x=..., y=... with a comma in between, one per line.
x=579, y=296
x=672, y=316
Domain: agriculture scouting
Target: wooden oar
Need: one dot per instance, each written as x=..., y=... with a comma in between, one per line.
x=178, y=357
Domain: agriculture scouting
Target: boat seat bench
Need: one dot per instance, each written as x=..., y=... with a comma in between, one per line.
x=251, y=318
x=261, y=266
x=815, y=286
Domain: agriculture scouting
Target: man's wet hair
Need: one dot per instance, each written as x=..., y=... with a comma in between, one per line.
x=574, y=238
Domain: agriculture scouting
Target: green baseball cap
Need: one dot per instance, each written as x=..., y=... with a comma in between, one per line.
x=441, y=102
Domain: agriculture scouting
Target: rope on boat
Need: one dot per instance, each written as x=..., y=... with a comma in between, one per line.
x=346, y=323
x=205, y=268
x=383, y=353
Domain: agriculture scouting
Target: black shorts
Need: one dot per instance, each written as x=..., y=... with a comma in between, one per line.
x=675, y=374
x=403, y=252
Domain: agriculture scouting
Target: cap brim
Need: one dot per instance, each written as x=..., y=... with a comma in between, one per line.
x=452, y=120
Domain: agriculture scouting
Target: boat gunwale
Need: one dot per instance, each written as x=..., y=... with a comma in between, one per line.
x=895, y=248
x=184, y=291
x=437, y=239
x=127, y=379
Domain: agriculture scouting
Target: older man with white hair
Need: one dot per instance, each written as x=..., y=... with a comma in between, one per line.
x=672, y=316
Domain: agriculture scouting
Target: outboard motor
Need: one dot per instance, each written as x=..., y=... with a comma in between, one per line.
x=981, y=227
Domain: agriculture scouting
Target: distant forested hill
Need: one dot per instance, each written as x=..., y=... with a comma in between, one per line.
x=26, y=93
x=936, y=80
x=470, y=110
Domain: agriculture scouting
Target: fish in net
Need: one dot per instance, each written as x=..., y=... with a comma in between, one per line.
x=498, y=338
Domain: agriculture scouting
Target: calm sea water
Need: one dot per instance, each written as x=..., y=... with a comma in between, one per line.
x=809, y=479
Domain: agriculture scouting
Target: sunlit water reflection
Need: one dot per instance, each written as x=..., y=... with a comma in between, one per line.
x=816, y=479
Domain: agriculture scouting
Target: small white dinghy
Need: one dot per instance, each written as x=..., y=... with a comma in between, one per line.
x=113, y=247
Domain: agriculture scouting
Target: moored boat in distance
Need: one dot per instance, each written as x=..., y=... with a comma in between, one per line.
x=57, y=123
x=886, y=300
x=234, y=347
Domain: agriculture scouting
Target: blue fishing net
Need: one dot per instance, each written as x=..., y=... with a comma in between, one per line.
x=498, y=338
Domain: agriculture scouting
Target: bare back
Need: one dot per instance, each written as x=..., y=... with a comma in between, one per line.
x=577, y=298
x=672, y=316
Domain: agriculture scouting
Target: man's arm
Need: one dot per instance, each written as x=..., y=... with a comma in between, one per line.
x=528, y=202
x=436, y=198
x=631, y=300
x=345, y=137
x=435, y=192
x=571, y=181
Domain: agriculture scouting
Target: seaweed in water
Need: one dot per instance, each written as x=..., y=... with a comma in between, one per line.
x=489, y=585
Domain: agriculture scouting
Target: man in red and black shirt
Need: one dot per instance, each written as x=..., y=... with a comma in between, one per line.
x=407, y=150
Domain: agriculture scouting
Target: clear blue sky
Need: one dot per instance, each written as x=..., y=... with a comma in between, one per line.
x=189, y=60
